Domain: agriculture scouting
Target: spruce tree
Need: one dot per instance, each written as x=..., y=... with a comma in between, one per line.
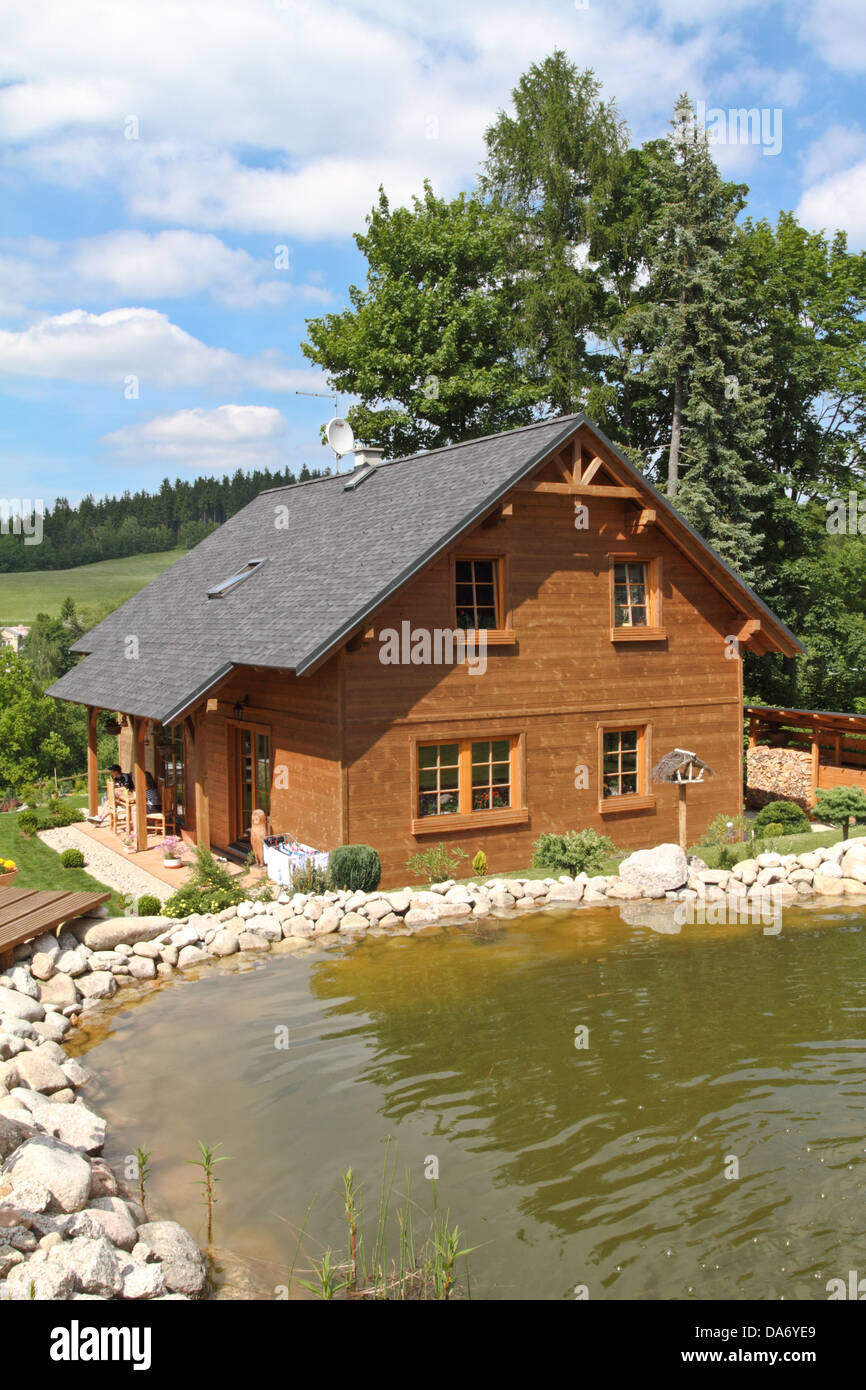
x=703, y=352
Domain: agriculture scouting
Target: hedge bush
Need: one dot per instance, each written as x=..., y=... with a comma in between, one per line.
x=72, y=859
x=28, y=822
x=573, y=853
x=356, y=868
x=148, y=905
x=191, y=898
x=785, y=813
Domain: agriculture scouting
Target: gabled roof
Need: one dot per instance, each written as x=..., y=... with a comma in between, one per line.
x=331, y=557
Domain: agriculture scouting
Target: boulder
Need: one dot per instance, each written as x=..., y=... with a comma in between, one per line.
x=225, y=943
x=15, y=1005
x=827, y=885
x=328, y=922
x=191, y=955
x=37, y=1279
x=142, y=1280
x=655, y=871
x=41, y=1073
x=140, y=968
x=92, y=1263
x=99, y=984
x=113, y=1215
x=75, y=1124
x=57, y=1166
x=60, y=990
x=566, y=892
x=182, y=1262
x=354, y=922
x=248, y=941
x=22, y=980
x=105, y=935
x=72, y=962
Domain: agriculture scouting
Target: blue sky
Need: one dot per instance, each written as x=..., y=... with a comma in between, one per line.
x=179, y=184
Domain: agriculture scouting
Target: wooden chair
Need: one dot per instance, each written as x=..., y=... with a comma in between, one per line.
x=169, y=807
x=118, y=809
x=155, y=820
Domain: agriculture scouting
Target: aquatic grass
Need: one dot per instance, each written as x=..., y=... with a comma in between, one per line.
x=207, y=1163
x=141, y=1162
x=417, y=1271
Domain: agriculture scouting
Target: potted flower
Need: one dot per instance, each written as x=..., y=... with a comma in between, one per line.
x=112, y=726
x=172, y=852
x=8, y=871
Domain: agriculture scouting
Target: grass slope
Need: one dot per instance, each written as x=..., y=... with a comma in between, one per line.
x=40, y=867
x=22, y=596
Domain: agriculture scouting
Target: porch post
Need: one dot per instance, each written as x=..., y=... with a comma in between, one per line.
x=139, y=783
x=202, y=808
x=92, y=770
x=681, y=817
x=753, y=732
x=816, y=764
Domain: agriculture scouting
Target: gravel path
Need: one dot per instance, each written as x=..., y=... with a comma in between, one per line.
x=106, y=866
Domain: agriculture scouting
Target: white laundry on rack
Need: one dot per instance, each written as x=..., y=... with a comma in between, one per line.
x=285, y=857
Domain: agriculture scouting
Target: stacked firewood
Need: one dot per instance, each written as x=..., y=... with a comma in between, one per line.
x=778, y=774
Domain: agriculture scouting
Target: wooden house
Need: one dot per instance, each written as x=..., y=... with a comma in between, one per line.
x=474, y=645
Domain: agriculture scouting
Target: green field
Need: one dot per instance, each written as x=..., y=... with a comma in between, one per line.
x=22, y=596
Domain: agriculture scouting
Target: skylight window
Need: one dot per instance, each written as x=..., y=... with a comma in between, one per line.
x=234, y=580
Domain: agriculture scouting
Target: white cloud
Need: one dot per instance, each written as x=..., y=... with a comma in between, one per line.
x=229, y=436
x=110, y=347
x=120, y=266
x=327, y=99
x=836, y=31
x=836, y=148
x=838, y=201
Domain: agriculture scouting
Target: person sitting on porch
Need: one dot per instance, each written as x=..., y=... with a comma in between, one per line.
x=152, y=797
x=122, y=781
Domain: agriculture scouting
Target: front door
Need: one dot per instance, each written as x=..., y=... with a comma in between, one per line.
x=252, y=780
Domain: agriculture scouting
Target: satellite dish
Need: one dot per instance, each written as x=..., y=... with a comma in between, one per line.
x=340, y=437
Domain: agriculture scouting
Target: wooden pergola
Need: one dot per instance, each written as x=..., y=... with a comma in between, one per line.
x=140, y=728
x=836, y=741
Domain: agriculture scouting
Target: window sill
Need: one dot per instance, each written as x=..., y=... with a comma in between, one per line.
x=622, y=805
x=494, y=637
x=638, y=634
x=435, y=825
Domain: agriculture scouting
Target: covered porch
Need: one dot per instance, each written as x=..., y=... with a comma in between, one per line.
x=172, y=757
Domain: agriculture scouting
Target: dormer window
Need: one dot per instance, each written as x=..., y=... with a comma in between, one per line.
x=220, y=590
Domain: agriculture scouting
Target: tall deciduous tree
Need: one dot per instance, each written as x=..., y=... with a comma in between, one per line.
x=428, y=344
x=552, y=163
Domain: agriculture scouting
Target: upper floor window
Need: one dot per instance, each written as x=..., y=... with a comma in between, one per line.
x=478, y=597
x=631, y=594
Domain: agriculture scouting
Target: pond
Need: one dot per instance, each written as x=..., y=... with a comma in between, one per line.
x=642, y=1114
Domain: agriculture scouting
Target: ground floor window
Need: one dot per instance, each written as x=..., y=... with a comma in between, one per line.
x=466, y=777
x=623, y=766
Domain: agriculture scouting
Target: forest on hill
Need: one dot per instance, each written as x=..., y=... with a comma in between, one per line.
x=181, y=514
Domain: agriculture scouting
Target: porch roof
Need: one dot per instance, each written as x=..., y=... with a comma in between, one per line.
x=328, y=556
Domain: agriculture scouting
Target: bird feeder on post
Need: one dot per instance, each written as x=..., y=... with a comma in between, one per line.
x=684, y=768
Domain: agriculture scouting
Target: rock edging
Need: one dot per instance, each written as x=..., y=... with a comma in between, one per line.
x=68, y=1229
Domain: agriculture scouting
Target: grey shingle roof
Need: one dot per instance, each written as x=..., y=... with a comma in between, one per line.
x=331, y=557
x=339, y=555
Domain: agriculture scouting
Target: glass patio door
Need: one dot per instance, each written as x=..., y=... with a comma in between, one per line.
x=253, y=777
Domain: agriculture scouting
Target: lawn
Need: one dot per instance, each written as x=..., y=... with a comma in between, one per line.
x=43, y=591
x=40, y=867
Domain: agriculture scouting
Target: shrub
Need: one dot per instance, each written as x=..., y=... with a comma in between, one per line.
x=838, y=805
x=479, y=864
x=727, y=858
x=788, y=814
x=192, y=898
x=772, y=830
x=356, y=867
x=148, y=905
x=436, y=863
x=72, y=859
x=28, y=822
x=310, y=880
x=718, y=833
x=573, y=853
x=58, y=813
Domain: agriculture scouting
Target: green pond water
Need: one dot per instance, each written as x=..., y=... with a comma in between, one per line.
x=602, y=1166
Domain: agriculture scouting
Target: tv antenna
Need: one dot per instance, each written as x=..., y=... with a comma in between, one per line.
x=338, y=432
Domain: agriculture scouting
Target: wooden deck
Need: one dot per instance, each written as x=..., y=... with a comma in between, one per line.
x=26, y=912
